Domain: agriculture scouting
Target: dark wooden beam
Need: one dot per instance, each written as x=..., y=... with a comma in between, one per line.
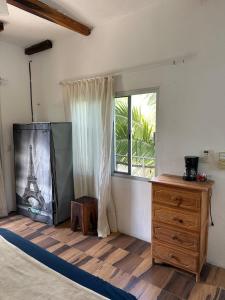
x=1, y=26
x=44, y=11
x=45, y=45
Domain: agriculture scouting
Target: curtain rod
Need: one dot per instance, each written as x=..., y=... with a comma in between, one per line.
x=165, y=62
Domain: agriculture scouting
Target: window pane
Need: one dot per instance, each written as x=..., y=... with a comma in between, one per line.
x=143, y=131
x=121, y=135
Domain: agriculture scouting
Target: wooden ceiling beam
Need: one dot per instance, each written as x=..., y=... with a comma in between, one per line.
x=46, y=12
x=1, y=26
x=45, y=45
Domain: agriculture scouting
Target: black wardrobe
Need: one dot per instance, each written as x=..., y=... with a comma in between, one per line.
x=44, y=170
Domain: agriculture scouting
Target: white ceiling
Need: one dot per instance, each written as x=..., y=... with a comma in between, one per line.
x=26, y=29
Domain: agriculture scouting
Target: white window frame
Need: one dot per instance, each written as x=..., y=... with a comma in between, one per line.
x=129, y=94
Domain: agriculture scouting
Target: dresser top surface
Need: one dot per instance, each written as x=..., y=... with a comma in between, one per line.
x=178, y=181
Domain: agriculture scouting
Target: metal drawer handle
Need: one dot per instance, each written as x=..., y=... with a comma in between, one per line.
x=178, y=220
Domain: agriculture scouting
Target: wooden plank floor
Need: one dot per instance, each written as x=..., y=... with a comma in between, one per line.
x=122, y=260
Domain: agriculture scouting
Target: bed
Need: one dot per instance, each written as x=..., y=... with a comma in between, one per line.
x=57, y=266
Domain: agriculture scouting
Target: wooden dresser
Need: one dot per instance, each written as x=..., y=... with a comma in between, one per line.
x=180, y=214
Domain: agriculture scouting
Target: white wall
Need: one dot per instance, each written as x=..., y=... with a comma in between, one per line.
x=14, y=97
x=191, y=106
x=133, y=206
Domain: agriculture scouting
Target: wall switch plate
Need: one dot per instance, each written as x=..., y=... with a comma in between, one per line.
x=221, y=159
x=205, y=156
x=222, y=156
x=206, y=153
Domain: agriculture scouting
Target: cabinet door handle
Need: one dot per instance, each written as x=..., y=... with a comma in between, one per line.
x=178, y=220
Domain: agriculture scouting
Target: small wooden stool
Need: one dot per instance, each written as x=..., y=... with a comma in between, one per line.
x=84, y=213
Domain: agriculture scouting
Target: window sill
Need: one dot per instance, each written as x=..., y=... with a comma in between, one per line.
x=131, y=177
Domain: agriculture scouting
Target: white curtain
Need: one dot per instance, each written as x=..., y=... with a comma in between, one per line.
x=3, y=203
x=88, y=104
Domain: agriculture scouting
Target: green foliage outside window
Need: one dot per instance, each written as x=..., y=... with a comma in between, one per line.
x=143, y=129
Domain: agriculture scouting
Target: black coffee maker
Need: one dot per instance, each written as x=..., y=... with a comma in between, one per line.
x=191, y=168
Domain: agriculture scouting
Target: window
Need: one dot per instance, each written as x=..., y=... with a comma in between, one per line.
x=134, y=134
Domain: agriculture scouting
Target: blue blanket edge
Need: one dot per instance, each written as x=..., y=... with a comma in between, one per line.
x=66, y=269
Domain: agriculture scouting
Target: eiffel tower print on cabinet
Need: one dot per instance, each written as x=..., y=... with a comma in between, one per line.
x=32, y=194
x=43, y=171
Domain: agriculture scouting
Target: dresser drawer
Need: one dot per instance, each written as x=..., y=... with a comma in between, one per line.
x=174, y=257
x=177, y=198
x=185, y=220
x=174, y=237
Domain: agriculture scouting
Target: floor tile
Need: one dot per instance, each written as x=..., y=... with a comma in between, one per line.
x=180, y=285
x=158, y=275
x=202, y=291
x=121, y=260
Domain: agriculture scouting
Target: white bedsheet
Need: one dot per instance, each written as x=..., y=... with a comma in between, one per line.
x=24, y=278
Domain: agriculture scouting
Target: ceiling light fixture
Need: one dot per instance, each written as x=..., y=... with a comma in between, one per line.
x=3, y=8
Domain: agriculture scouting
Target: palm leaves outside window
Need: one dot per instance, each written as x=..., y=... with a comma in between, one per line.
x=142, y=124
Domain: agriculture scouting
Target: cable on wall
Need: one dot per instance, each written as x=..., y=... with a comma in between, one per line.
x=31, y=94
